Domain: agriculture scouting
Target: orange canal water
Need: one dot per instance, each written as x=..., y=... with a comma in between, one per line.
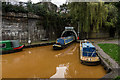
x=44, y=62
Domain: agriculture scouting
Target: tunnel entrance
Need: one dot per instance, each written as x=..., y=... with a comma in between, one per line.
x=68, y=32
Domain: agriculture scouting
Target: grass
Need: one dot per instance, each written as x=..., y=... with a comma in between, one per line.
x=112, y=50
x=117, y=78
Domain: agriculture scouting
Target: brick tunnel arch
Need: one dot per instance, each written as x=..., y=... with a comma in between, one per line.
x=66, y=33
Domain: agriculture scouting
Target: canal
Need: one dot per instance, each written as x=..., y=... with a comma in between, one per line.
x=44, y=62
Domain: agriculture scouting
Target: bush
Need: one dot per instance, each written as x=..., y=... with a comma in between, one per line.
x=117, y=78
x=13, y=8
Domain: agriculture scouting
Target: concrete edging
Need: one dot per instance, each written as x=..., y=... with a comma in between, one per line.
x=110, y=65
x=37, y=45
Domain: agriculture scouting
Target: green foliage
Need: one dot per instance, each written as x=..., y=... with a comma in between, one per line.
x=117, y=78
x=117, y=4
x=112, y=50
x=92, y=16
x=39, y=10
x=30, y=6
x=112, y=15
x=52, y=21
x=7, y=7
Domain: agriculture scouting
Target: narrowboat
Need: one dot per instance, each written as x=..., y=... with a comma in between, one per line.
x=88, y=54
x=63, y=42
x=9, y=46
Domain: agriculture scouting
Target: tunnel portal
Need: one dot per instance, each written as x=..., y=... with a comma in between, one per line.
x=68, y=32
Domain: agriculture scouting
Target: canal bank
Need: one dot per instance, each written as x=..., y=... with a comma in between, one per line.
x=107, y=62
x=110, y=65
x=44, y=62
x=39, y=44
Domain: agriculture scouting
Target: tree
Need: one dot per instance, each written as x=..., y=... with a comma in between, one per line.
x=92, y=16
x=29, y=6
x=117, y=4
x=7, y=7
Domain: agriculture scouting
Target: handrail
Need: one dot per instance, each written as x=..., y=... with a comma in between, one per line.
x=93, y=53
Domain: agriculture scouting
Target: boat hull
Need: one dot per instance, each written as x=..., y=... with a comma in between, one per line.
x=58, y=47
x=86, y=54
x=13, y=50
x=88, y=63
x=63, y=42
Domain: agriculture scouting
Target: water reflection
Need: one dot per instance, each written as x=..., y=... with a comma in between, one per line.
x=69, y=51
x=60, y=71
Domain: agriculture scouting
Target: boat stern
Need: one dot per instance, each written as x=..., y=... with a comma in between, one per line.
x=90, y=61
x=56, y=47
x=19, y=48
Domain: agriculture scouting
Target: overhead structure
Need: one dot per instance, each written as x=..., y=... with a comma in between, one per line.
x=68, y=32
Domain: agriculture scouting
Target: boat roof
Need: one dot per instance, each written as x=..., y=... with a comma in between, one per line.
x=85, y=45
x=65, y=37
x=5, y=41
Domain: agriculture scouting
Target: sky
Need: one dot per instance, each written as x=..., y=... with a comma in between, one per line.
x=57, y=2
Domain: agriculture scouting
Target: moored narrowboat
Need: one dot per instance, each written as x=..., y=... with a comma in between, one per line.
x=63, y=42
x=9, y=46
x=88, y=54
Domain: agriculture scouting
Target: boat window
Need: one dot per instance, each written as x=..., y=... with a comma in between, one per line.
x=2, y=45
x=89, y=52
x=15, y=43
x=11, y=44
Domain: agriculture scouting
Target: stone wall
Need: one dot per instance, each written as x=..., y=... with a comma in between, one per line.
x=23, y=27
x=98, y=35
x=94, y=35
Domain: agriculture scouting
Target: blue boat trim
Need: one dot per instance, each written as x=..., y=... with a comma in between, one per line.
x=63, y=41
x=88, y=54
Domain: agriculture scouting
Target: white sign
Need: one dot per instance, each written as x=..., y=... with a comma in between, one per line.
x=69, y=28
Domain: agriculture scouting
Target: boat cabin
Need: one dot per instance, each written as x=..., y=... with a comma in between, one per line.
x=88, y=50
x=10, y=46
